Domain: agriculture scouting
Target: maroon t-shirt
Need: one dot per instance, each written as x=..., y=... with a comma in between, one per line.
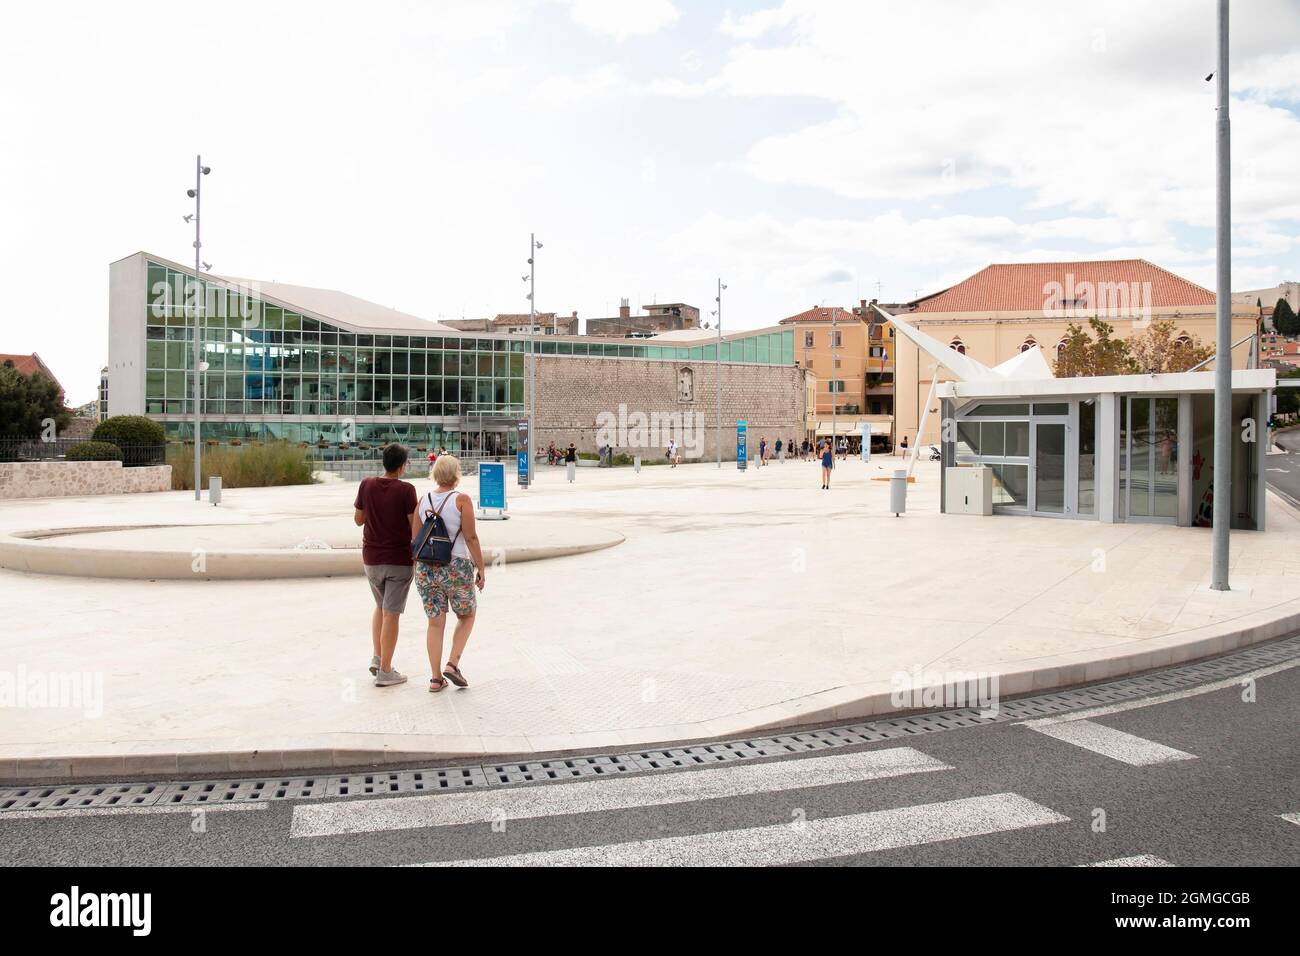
x=387, y=504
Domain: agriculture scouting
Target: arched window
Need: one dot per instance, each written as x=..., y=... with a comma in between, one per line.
x=1060, y=349
x=1028, y=344
x=1183, y=341
x=957, y=346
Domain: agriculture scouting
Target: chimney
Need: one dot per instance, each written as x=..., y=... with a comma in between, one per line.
x=624, y=310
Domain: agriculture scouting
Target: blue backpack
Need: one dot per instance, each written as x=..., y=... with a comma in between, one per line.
x=432, y=544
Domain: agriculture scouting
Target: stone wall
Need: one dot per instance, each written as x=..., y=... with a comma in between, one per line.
x=572, y=394
x=63, y=479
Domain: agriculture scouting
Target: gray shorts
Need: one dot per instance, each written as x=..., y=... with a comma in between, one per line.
x=389, y=583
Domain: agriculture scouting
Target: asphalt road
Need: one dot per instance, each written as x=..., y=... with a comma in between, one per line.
x=1282, y=472
x=1205, y=779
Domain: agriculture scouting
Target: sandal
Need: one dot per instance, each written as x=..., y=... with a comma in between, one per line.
x=457, y=678
x=436, y=684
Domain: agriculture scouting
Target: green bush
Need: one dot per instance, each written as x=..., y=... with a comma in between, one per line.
x=249, y=466
x=588, y=456
x=94, y=451
x=129, y=430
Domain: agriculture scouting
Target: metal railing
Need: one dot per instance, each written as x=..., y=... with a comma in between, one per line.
x=56, y=449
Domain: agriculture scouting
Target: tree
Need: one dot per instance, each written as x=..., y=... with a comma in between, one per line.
x=27, y=402
x=1285, y=319
x=1081, y=355
x=1156, y=349
x=1288, y=399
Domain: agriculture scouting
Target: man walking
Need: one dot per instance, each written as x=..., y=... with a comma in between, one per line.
x=383, y=510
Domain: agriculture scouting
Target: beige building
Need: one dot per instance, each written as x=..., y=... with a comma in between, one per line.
x=850, y=364
x=1008, y=308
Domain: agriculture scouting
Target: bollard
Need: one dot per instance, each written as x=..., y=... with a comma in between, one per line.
x=636, y=463
x=214, y=489
x=898, y=492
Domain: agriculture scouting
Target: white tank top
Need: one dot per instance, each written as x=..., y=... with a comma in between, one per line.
x=450, y=516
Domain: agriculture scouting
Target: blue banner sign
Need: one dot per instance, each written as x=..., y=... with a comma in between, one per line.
x=522, y=473
x=492, y=485
x=742, y=450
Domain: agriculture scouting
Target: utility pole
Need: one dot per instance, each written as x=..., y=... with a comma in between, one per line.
x=533, y=246
x=1223, y=324
x=835, y=314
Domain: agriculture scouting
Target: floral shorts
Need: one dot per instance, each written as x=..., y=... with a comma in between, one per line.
x=451, y=584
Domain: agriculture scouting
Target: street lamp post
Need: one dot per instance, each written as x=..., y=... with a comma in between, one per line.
x=533, y=246
x=197, y=195
x=1223, y=324
x=717, y=375
x=835, y=313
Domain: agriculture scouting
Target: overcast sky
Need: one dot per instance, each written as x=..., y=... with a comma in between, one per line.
x=805, y=151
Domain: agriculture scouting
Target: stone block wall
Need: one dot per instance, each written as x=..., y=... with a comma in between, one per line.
x=64, y=479
x=572, y=394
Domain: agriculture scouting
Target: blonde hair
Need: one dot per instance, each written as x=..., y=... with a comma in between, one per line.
x=446, y=471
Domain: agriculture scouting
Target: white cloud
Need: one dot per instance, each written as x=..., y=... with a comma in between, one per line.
x=621, y=19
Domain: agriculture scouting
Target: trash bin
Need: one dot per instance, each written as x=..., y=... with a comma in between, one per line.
x=898, y=492
x=214, y=489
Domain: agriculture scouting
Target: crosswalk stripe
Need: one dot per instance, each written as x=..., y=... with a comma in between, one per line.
x=610, y=793
x=190, y=808
x=1145, y=859
x=806, y=841
x=1109, y=742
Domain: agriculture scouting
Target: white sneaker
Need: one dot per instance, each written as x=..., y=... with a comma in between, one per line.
x=389, y=678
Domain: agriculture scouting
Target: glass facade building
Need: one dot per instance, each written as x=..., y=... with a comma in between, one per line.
x=274, y=372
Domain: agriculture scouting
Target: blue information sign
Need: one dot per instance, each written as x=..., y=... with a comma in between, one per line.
x=522, y=471
x=492, y=485
x=742, y=450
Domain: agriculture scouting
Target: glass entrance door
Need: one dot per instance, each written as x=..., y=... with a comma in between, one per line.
x=1151, y=479
x=1050, y=461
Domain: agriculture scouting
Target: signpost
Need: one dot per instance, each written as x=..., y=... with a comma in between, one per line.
x=492, y=490
x=866, y=441
x=742, y=452
x=522, y=472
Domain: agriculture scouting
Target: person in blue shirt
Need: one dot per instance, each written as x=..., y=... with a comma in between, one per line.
x=828, y=462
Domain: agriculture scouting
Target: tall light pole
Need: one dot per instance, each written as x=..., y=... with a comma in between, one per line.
x=197, y=195
x=533, y=246
x=835, y=444
x=717, y=374
x=1223, y=324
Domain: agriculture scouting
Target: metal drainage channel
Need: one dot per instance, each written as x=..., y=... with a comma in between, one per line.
x=484, y=776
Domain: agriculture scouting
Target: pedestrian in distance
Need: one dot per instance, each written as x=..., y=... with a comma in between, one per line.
x=762, y=452
x=383, y=509
x=904, y=446
x=828, y=462
x=780, y=455
x=448, y=570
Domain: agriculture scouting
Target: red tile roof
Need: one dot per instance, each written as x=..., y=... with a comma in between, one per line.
x=27, y=364
x=822, y=313
x=1026, y=286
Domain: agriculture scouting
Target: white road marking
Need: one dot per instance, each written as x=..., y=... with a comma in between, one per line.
x=1291, y=818
x=126, y=811
x=1107, y=709
x=821, y=839
x=608, y=793
x=1116, y=744
x=1144, y=860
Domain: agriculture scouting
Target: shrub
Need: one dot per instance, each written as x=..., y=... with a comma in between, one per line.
x=588, y=456
x=94, y=451
x=129, y=430
x=254, y=466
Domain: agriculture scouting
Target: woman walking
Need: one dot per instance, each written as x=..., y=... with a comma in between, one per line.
x=828, y=462
x=450, y=585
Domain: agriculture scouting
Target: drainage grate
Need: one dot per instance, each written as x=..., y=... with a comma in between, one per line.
x=569, y=768
x=479, y=777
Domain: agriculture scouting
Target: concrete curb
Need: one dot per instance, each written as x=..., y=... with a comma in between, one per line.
x=40, y=552
x=23, y=764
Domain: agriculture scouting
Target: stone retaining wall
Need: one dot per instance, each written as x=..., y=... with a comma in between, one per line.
x=63, y=479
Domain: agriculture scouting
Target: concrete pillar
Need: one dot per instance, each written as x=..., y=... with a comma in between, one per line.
x=1107, y=464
